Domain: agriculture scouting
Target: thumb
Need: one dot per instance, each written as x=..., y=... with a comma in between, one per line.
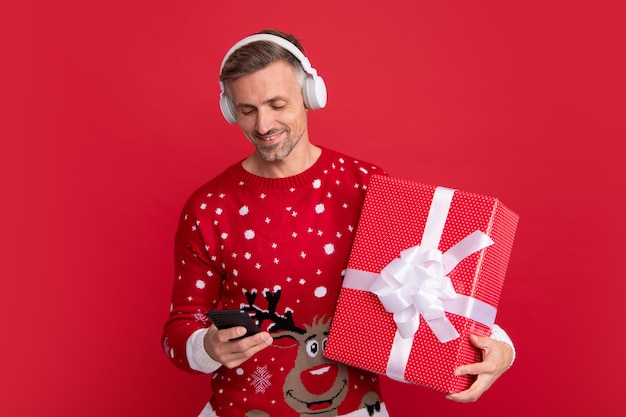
x=480, y=342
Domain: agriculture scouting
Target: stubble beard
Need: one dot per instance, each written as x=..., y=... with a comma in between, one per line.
x=279, y=151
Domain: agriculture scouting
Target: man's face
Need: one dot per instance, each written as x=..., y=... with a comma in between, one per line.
x=270, y=109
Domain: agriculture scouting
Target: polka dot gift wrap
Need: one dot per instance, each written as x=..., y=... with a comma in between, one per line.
x=412, y=241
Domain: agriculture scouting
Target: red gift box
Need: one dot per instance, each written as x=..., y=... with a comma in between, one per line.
x=426, y=270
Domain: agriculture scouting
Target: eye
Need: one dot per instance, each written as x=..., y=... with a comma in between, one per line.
x=312, y=348
x=278, y=104
x=324, y=343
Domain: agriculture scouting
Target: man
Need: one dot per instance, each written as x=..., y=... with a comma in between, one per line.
x=271, y=235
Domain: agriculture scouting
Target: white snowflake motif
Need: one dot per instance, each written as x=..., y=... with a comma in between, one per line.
x=249, y=234
x=218, y=211
x=199, y=316
x=224, y=235
x=319, y=208
x=244, y=210
x=317, y=184
x=329, y=248
x=363, y=170
x=263, y=195
x=200, y=284
x=209, y=273
x=203, y=206
x=247, y=255
x=302, y=254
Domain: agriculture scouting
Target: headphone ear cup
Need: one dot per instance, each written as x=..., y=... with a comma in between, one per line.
x=228, y=109
x=314, y=92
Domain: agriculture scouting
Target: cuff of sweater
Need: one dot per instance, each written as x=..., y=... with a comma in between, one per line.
x=197, y=357
x=498, y=333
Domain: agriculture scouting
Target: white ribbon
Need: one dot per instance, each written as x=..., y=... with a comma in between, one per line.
x=417, y=284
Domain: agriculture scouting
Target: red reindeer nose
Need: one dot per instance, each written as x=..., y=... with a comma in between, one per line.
x=319, y=379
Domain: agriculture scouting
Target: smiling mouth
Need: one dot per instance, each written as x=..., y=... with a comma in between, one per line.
x=269, y=136
x=321, y=405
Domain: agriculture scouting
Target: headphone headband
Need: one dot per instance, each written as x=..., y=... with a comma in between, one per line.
x=284, y=43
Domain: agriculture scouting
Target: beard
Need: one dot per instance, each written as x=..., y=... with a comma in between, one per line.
x=278, y=151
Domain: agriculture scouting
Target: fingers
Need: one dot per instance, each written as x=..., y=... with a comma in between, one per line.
x=497, y=357
x=226, y=346
x=474, y=392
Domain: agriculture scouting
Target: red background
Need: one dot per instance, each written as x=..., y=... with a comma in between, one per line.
x=110, y=120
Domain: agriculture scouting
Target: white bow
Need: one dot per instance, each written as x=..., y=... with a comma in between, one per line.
x=417, y=283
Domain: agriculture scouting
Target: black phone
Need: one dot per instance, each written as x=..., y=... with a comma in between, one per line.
x=225, y=319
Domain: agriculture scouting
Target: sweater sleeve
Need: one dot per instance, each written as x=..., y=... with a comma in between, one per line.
x=498, y=333
x=199, y=359
x=196, y=289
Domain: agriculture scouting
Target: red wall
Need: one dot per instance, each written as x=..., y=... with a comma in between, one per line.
x=111, y=119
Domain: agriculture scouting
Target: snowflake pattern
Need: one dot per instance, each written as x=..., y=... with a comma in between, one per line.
x=260, y=379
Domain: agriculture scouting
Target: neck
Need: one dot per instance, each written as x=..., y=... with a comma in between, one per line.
x=299, y=160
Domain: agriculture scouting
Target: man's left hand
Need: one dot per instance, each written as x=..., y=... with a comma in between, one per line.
x=497, y=358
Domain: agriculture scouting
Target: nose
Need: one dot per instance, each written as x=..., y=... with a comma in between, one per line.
x=264, y=121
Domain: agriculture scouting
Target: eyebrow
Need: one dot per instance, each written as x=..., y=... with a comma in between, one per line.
x=268, y=101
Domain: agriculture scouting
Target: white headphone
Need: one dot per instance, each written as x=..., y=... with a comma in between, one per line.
x=313, y=90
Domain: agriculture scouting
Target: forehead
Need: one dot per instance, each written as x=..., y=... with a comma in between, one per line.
x=276, y=80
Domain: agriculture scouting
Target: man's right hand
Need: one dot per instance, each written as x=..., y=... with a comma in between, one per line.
x=220, y=346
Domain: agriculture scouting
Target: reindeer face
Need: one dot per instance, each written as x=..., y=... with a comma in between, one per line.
x=316, y=386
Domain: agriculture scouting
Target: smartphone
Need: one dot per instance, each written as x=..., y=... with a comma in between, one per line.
x=225, y=319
